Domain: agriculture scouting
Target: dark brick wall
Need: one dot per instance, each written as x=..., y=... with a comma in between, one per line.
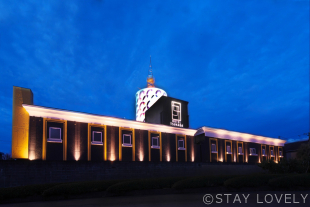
x=71, y=140
x=97, y=150
x=141, y=151
x=253, y=159
x=54, y=150
x=240, y=157
x=82, y=130
x=166, y=146
x=172, y=147
x=229, y=157
x=264, y=158
x=198, y=145
x=76, y=140
x=155, y=153
x=190, y=149
x=221, y=150
x=140, y=145
x=126, y=151
x=234, y=151
x=144, y=134
x=110, y=144
x=35, y=137
x=181, y=155
x=25, y=172
x=77, y=146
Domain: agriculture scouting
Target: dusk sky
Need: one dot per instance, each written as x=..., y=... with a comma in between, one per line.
x=242, y=65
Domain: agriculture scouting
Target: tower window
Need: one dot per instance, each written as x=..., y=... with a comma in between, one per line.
x=176, y=111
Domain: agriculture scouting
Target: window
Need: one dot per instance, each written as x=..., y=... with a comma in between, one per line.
x=127, y=140
x=240, y=151
x=271, y=153
x=253, y=151
x=97, y=137
x=213, y=148
x=181, y=144
x=176, y=111
x=155, y=142
x=54, y=134
x=280, y=153
x=263, y=152
x=228, y=149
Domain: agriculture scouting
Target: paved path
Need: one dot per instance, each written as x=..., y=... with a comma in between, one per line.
x=173, y=200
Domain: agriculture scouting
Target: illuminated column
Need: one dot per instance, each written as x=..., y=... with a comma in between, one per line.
x=20, y=122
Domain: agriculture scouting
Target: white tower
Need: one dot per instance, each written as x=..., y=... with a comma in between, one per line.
x=146, y=97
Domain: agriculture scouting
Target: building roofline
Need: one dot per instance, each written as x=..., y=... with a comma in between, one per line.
x=239, y=136
x=46, y=112
x=175, y=98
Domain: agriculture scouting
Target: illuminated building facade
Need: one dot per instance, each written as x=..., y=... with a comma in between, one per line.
x=162, y=135
x=55, y=134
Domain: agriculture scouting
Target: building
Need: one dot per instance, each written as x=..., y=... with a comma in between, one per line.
x=161, y=135
x=292, y=148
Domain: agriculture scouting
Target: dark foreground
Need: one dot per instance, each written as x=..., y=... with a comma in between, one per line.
x=266, y=198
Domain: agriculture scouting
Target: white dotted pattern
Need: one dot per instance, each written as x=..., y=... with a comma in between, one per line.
x=145, y=98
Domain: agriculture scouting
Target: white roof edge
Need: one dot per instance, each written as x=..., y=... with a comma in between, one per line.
x=45, y=112
x=239, y=136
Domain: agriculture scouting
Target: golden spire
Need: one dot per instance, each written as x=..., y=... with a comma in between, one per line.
x=150, y=79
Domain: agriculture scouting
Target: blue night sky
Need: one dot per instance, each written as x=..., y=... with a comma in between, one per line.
x=242, y=65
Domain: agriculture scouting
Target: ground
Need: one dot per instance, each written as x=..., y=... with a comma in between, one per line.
x=171, y=200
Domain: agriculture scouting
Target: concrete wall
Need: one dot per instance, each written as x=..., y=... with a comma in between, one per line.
x=25, y=172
